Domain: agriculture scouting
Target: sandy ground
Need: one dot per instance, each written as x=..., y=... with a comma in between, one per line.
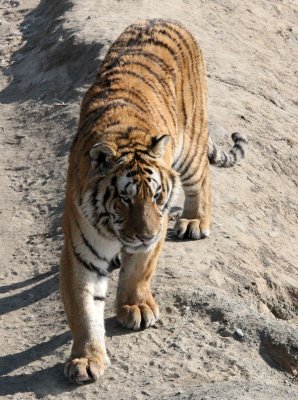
x=243, y=277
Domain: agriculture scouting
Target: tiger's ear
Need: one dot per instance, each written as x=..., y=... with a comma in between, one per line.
x=158, y=145
x=102, y=157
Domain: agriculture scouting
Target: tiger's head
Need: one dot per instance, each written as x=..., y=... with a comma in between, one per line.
x=134, y=192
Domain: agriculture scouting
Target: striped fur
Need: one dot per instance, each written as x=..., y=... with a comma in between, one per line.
x=143, y=124
x=234, y=156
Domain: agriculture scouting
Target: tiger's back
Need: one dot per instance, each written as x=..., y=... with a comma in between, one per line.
x=151, y=82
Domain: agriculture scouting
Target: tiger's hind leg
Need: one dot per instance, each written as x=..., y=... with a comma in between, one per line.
x=194, y=222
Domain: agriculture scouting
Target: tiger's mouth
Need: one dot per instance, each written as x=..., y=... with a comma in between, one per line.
x=141, y=248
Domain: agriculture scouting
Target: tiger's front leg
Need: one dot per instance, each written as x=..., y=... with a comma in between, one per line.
x=194, y=222
x=83, y=294
x=136, y=306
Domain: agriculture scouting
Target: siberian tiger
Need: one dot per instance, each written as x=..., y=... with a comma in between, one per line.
x=142, y=129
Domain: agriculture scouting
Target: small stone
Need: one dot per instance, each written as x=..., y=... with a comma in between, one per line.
x=169, y=310
x=239, y=333
x=15, y=3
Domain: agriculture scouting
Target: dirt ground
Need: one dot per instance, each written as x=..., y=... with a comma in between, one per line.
x=228, y=327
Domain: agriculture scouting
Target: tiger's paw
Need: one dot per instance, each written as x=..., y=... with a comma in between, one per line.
x=191, y=229
x=138, y=315
x=84, y=370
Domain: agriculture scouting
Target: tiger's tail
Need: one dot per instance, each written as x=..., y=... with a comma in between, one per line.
x=224, y=159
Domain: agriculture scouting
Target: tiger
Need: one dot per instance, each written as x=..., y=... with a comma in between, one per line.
x=142, y=133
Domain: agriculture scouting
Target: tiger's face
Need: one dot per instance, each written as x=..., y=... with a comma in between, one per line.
x=135, y=198
x=141, y=203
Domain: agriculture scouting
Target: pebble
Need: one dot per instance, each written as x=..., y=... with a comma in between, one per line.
x=239, y=333
x=15, y=3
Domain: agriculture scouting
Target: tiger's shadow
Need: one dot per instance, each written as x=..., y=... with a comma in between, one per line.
x=44, y=381
x=49, y=380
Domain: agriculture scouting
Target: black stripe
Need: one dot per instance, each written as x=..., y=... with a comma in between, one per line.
x=150, y=70
x=239, y=147
x=213, y=155
x=87, y=244
x=149, y=171
x=97, y=216
x=118, y=221
x=174, y=180
x=232, y=157
x=104, y=93
x=94, y=197
x=130, y=174
x=189, y=176
x=185, y=165
x=131, y=103
x=116, y=72
x=225, y=158
x=138, y=158
x=187, y=184
x=128, y=143
x=195, y=169
x=98, y=112
x=115, y=263
x=160, y=43
x=92, y=249
x=100, y=216
x=147, y=55
x=126, y=153
x=99, y=298
x=88, y=265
